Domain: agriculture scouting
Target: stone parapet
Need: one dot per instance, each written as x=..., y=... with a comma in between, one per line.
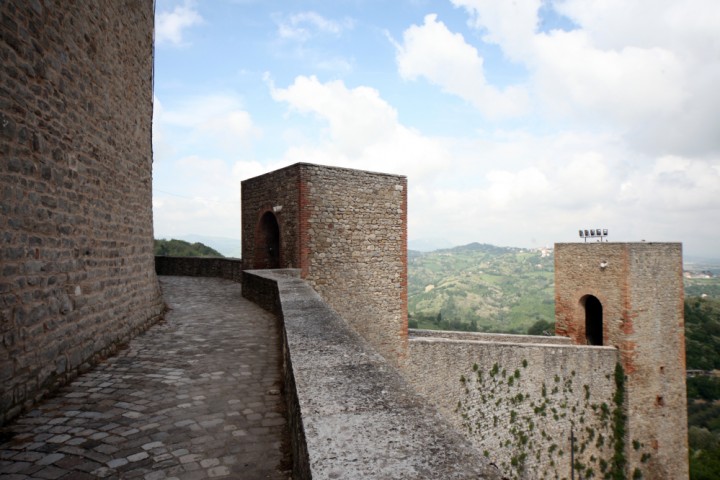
x=228, y=268
x=351, y=413
x=489, y=337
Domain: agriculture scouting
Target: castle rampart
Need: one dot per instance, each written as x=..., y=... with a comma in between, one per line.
x=351, y=414
x=77, y=276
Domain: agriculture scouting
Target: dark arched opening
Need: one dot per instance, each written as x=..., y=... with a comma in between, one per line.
x=593, y=320
x=267, y=242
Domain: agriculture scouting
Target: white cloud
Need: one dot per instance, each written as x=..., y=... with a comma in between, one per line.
x=217, y=120
x=653, y=80
x=204, y=197
x=305, y=25
x=504, y=186
x=445, y=59
x=509, y=24
x=362, y=130
x=170, y=25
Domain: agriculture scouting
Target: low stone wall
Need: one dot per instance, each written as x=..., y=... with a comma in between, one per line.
x=518, y=402
x=489, y=337
x=351, y=413
x=227, y=268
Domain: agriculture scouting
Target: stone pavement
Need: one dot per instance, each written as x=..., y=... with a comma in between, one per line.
x=196, y=396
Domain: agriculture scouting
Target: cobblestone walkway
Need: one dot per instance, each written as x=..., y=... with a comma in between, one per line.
x=196, y=396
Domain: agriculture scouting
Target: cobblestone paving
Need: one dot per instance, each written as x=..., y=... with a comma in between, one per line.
x=196, y=396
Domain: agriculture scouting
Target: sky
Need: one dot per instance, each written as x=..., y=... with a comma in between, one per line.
x=517, y=123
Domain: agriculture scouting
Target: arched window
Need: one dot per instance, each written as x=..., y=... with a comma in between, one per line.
x=267, y=242
x=593, y=319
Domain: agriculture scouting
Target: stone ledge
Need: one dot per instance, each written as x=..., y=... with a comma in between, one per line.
x=351, y=413
x=489, y=337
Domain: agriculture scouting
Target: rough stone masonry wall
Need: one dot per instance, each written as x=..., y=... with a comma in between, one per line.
x=77, y=273
x=258, y=196
x=354, y=250
x=351, y=414
x=517, y=402
x=218, y=267
x=641, y=291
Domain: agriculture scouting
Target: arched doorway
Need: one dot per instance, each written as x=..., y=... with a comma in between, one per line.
x=593, y=319
x=267, y=242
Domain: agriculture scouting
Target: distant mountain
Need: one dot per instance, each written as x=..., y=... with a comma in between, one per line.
x=230, y=247
x=181, y=248
x=428, y=244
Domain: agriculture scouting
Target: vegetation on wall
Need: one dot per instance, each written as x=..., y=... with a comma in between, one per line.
x=498, y=400
x=181, y=248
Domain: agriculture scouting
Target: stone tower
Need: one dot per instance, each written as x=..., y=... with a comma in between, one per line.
x=630, y=295
x=346, y=230
x=77, y=276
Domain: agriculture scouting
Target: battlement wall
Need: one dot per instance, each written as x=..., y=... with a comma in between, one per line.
x=351, y=413
x=227, y=268
x=518, y=402
x=77, y=277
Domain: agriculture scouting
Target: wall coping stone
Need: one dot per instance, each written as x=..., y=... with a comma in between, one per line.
x=353, y=414
x=324, y=167
x=489, y=337
x=515, y=344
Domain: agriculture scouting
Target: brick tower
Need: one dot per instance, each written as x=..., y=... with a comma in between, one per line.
x=630, y=295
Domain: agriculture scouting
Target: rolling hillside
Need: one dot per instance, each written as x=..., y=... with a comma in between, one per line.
x=181, y=248
x=501, y=289
x=481, y=287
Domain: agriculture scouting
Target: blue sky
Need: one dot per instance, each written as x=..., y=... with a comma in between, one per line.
x=516, y=123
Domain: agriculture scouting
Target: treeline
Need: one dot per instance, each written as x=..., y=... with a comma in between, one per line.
x=702, y=345
x=438, y=322
x=181, y=248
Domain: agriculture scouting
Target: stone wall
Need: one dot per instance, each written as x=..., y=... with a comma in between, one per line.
x=356, y=250
x=77, y=276
x=350, y=413
x=490, y=337
x=640, y=288
x=228, y=268
x=518, y=402
x=346, y=230
x=276, y=192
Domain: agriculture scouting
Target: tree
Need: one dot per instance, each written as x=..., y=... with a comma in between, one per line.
x=541, y=327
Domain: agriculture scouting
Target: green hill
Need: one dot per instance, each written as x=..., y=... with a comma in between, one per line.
x=181, y=248
x=501, y=289
x=480, y=287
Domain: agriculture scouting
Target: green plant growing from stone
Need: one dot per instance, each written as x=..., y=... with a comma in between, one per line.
x=508, y=404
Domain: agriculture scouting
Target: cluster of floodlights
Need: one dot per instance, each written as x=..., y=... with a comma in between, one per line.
x=598, y=233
